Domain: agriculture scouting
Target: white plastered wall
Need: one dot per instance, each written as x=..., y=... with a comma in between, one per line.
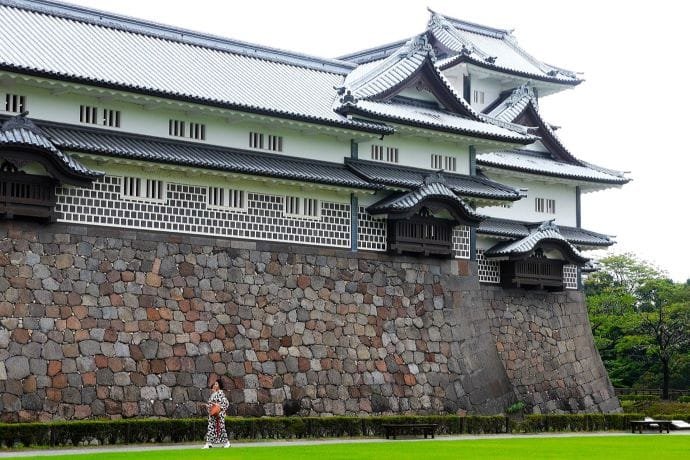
x=220, y=131
x=524, y=209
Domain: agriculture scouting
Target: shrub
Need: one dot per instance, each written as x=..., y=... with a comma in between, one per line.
x=128, y=431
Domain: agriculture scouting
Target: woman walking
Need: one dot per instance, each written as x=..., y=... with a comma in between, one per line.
x=217, y=405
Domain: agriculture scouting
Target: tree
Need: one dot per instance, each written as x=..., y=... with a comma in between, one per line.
x=664, y=324
x=640, y=322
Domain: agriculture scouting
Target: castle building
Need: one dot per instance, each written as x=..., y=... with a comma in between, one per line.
x=367, y=234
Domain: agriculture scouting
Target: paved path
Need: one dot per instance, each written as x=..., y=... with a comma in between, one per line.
x=299, y=442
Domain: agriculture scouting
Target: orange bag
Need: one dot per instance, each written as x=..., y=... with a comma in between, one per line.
x=214, y=410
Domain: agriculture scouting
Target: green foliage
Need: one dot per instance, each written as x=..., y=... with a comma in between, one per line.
x=516, y=408
x=684, y=399
x=135, y=431
x=639, y=398
x=641, y=323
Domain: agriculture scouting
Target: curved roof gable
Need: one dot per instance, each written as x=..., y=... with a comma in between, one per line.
x=412, y=65
x=491, y=48
x=21, y=141
x=433, y=194
x=546, y=235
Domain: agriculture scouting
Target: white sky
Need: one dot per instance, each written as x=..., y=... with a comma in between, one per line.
x=629, y=114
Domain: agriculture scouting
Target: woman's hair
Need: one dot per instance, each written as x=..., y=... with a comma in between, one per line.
x=220, y=384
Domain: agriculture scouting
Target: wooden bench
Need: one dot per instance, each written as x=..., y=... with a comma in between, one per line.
x=427, y=429
x=639, y=425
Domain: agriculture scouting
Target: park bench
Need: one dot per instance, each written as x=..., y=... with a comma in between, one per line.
x=639, y=425
x=393, y=430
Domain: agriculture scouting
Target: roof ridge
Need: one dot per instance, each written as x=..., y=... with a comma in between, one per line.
x=474, y=27
x=177, y=34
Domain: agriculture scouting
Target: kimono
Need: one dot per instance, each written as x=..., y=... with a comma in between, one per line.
x=216, y=433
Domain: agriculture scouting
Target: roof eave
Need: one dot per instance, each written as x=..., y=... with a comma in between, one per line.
x=351, y=125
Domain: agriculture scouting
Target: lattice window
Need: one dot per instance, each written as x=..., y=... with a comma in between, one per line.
x=444, y=162
x=478, y=97
x=256, y=140
x=187, y=211
x=301, y=207
x=15, y=103
x=461, y=242
x=545, y=205
x=570, y=276
x=377, y=152
x=489, y=270
x=372, y=233
x=382, y=153
x=176, y=128
x=111, y=118
x=227, y=198
x=391, y=154
x=197, y=131
x=143, y=189
x=275, y=143
x=88, y=114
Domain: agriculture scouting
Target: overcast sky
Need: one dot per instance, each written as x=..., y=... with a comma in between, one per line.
x=630, y=113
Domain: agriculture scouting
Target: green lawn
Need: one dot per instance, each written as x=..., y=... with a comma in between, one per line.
x=651, y=446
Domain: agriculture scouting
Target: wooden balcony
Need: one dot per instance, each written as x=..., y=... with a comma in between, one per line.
x=27, y=195
x=428, y=236
x=539, y=273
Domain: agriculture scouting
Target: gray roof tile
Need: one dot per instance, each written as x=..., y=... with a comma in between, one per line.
x=547, y=231
x=439, y=120
x=113, y=54
x=400, y=202
x=492, y=48
x=543, y=164
x=412, y=178
x=20, y=132
x=505, y=228
x=143, y=148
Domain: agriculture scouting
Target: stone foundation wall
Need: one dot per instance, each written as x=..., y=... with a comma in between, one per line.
x=107, y=322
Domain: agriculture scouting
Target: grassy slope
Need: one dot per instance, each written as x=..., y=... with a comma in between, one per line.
x=658, y=447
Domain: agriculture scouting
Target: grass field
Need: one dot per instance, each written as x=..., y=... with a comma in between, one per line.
x=648, y=446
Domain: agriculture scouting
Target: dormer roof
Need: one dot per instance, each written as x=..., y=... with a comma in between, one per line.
x=491, y=48
x=21, y=141
x=455, y=41
x=371, y=90
x=545, y=236
x=432, y=193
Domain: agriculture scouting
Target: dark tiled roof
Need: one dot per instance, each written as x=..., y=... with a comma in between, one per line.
x=20, y=132
x=513, y=229
x=109, y=143
x=413, y=178
x=523, y=247
x=401, y=202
